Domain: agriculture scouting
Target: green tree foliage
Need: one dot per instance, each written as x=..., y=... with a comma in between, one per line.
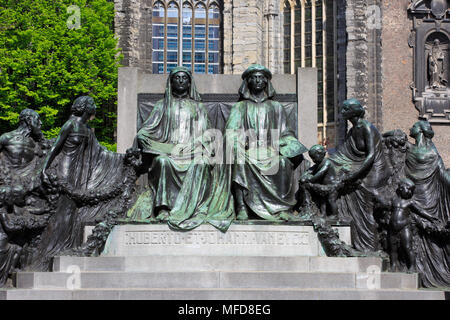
x=47, y=60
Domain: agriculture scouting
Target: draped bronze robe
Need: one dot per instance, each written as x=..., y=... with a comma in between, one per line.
x=266, y=174
x=185, y=182
x=358, y=204
x=88, y=167
x=432, y=194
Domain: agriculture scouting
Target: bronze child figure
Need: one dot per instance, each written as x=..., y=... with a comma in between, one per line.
x=322, y=180
x=400, y=237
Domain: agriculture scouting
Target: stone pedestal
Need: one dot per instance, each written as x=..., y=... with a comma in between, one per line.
x=239, y=240
x=263, y=261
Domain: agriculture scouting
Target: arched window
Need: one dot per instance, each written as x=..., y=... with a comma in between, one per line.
x=159, y=35
x=288, y=44
x=172, y=36
x=200, y=38
x=309, y=41
x=213, y=38
x=186, y=33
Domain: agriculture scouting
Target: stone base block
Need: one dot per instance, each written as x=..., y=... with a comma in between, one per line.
x=170, y=263
x=220, y=294
x=214, y=279
x=239, y=240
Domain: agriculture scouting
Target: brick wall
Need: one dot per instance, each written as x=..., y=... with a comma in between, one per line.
x=398, y=107
x=364, y=69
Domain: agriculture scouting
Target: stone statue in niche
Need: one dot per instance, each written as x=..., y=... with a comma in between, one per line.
x=436, y=62
x=430, y=39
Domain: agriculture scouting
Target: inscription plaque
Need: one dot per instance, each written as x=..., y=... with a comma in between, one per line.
x=239, y=240
x=212, y=238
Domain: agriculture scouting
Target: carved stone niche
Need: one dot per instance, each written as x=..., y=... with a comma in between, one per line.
x=430, y=39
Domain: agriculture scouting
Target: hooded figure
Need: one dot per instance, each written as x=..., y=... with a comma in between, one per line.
x=265, y=150
x=180, y=173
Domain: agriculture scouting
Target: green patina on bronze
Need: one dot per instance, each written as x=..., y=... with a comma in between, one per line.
x=185, y=183
x=264, y=182
x=142, y=209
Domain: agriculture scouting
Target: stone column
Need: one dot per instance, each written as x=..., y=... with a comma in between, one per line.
x=228, y=36
x=357, y=50
x=341, y=68
x=307, y=106
x=133, y=28
x=273, y=30
x=247, y=34
x=363, y=18
x=127, y=108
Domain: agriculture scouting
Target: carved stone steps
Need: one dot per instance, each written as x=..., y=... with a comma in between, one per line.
x=214, y=279
x=217, y=277
x=220, y=294
x=171, y=263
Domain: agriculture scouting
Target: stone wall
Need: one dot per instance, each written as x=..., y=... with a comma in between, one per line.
x=341, y=50
x=133, y=29
x=244, y=38
x=364, y=67
x=398, y=107
x=273, y=35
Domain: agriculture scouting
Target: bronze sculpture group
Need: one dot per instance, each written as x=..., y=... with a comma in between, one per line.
x=395, y=195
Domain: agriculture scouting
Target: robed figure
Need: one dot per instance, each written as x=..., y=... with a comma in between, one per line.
x=425, y=167
x=181, y=174
x=264, y=148
x=361, y=164
x=82, y=169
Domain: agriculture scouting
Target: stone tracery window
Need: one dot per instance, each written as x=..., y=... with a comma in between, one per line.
x=309, y=41
x=186, y=33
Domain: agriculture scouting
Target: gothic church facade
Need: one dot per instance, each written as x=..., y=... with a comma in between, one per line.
x=361, y=49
